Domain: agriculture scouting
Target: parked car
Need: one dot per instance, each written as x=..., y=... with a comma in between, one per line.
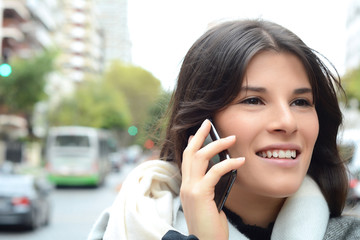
x=117, y=159
x=133, y=154
x=349, y=146
x=24, y=200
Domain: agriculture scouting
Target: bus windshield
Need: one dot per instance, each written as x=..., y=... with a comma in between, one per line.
x=72, y=141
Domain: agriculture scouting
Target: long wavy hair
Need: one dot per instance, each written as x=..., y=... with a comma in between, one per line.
x=211, y=76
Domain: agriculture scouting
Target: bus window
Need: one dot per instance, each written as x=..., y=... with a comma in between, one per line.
x=72, y=140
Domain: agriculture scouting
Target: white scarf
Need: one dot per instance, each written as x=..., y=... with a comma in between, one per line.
x=148, y=206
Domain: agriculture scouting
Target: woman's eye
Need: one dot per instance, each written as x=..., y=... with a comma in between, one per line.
x=252, y=101
x=301, y=103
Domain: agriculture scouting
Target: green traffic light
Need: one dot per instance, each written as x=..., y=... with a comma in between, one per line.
x=132, y=131
x=5, y=70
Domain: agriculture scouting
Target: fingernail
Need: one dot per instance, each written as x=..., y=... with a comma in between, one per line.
x=204, y=122
x=241, y=159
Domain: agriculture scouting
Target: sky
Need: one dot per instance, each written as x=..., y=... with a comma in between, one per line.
x=162, y=31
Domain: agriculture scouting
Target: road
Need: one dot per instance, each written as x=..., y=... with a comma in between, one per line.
x=74, y=211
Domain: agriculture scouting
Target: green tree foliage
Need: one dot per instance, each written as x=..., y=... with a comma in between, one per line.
x=120, y=99
x=139, y=86
x=351, y=83
x=24, y=87
x=93, y=104
x=20, y=91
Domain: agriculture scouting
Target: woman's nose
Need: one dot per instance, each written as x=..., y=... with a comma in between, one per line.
x=282, y=119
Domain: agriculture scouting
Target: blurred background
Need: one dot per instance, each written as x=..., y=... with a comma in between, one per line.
x=84, y=83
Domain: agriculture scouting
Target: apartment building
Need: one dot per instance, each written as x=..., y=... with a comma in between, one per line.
x=23, y=32
x=82, y=41
x=113, y=16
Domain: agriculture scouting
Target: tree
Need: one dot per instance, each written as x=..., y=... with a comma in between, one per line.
x=20, y=91
x=351, y=83
x=93, y=104
x=118, y=100
x=139, y=87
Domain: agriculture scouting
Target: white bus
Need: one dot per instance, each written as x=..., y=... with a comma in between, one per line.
x=77, y=155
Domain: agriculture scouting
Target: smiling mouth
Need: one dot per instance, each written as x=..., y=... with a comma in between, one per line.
x=279, y=154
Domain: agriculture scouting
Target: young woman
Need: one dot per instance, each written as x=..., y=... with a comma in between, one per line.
x=274, y=103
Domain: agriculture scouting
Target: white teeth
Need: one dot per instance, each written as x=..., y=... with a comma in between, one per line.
x=288, y=154
x=278, y=154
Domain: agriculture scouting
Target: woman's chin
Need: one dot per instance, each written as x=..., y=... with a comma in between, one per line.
x=281, y=190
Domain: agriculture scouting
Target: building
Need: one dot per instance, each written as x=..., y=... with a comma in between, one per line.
x=87, y=34
x=82, y=41
x=27, y=27
x=20, y=31
x=113, y=16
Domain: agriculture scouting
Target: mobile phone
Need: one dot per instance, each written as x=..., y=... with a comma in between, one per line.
x=223, y=187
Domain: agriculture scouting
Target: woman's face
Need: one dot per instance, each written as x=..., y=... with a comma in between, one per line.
x=275, y=123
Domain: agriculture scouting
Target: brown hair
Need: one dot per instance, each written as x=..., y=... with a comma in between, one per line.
x=211, y=76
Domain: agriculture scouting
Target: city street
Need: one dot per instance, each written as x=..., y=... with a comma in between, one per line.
x=74, y=211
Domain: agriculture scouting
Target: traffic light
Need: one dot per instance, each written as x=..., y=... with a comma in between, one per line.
x=132, y=130
x=5, y=70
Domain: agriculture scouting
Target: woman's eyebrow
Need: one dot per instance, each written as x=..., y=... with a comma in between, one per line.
x=253, y=89
x=262, y=89
x=302, y=90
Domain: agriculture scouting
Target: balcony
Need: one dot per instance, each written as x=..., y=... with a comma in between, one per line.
x=16, y=8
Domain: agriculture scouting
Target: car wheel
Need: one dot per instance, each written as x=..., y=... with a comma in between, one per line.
x=34, y=221
x=47, y=218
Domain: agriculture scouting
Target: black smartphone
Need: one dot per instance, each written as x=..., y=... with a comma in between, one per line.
x=222, y=188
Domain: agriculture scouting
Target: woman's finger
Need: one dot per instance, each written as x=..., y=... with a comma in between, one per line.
x=199, y=137
x=215, y=147
x=195, y=142
x=195, y=158
x=205, y=154
x=214, y=174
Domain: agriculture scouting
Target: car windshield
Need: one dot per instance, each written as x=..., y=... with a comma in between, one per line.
x=72, y=141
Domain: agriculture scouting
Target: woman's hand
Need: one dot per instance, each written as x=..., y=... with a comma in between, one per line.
x=197, y=188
